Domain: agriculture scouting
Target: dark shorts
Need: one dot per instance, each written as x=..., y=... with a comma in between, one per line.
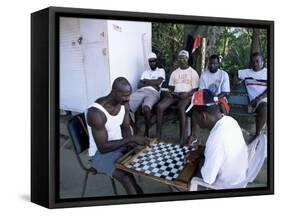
x=105, y=162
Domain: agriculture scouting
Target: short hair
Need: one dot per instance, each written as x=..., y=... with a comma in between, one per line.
x=212, y=110
x=257, y=54
x=215, y=56
x=119, y=83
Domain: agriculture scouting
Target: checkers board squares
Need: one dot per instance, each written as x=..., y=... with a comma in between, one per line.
x=163, y=160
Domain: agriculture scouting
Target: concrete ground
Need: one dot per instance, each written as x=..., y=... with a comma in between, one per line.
x=72, y=176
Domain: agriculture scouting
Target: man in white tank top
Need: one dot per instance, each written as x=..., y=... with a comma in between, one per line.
x=110, y=133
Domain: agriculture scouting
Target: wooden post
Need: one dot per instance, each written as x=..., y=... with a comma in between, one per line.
x=203, y=54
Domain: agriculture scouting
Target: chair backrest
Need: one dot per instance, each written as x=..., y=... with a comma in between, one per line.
x=257, y=150
x=78, y=132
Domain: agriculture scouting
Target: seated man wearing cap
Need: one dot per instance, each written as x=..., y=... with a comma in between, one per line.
x=217, y=81
x=148, y=92
x=183, y=82
x=225, y=153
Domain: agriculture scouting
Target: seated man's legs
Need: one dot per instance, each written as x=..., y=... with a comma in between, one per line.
x=150, y=99
x=105, y=163
x=261, y=117
x=128, y=181
x=192, y=138
x=136, y=99
x=161, y=107
x=182, y=105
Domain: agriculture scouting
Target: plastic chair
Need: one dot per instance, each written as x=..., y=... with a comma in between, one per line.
x=78, y=132
x=257, y=151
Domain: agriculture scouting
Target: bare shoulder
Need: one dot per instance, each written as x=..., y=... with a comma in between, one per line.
x=96, y=118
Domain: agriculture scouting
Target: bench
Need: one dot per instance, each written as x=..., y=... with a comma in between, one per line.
x=239, y=100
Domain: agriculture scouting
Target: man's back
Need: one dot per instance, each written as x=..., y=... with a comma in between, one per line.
x=226, y=154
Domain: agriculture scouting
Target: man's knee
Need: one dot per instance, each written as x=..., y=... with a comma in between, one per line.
x=182, y=107
x=125, y=177
x=146, y=109
x=121, y=175
x=160, y=108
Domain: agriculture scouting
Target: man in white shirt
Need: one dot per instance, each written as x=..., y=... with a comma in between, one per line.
x=217, y=81
x=225, y=153
x=183, y=82
x=256, y=83
x=148, y=93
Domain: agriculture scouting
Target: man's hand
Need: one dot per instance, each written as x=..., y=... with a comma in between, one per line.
x=183, y=95
x=254, y=102
x=193, y=156
x=139, y=140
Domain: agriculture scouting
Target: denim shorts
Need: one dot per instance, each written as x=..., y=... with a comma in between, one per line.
x=105, y=162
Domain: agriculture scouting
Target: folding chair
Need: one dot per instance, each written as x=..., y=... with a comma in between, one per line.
x=257, y=151
x=78, y=132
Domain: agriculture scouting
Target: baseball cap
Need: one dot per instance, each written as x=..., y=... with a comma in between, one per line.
x=183, y=53
x=152, y=56
x=202, y=97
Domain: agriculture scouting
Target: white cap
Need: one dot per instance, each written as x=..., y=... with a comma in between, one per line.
x=184, y=53
x=152, y=56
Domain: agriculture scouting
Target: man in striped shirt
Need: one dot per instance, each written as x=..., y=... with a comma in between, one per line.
x=256, y=83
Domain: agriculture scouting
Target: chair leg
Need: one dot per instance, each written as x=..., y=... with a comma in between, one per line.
x=113, y=186
x=139, y=178
x=85, y=184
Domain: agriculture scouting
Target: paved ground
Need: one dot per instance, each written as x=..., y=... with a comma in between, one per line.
x=72, y=176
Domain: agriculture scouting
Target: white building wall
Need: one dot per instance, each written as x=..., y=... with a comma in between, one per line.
x=95, y=58
x=72, y=81
x=129, y=43
x=107, y=50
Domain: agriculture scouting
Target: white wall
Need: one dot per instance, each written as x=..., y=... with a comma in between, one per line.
x=72, y=80
x=128, y=49
x=108, y=49
x=95, y=58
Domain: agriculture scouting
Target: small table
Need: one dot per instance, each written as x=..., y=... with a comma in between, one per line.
x=160, y=161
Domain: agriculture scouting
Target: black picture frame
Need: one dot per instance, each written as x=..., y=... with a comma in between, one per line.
x=45, y=106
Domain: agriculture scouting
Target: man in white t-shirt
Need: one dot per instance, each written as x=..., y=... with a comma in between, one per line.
x=217, y=81
x=183, y=82
x=225, y=153
x=256, y=83
x=148, y=93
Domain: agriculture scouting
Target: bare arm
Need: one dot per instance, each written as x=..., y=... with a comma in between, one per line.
x=126, y=129
x=96, y=120
x=147, y=82
x=184, y=95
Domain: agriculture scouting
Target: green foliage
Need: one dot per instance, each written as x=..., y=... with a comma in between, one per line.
x=167, y=40
x=233, y=44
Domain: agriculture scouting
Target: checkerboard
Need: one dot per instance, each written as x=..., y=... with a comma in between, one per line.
x=162, y=160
